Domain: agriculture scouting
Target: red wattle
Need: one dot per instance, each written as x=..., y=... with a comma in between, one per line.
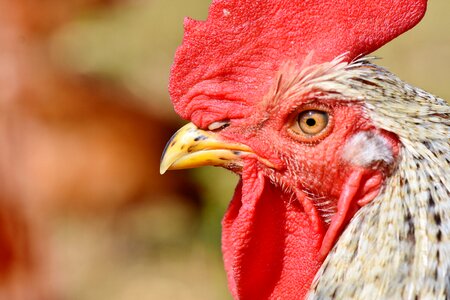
x=269, y=245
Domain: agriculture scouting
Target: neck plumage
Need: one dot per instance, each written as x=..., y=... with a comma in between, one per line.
x=397, y=247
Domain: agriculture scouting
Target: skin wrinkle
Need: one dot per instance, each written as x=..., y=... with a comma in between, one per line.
x=217, y=110
x=244, y=221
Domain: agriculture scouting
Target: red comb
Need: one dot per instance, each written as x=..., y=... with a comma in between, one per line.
x=236, y=52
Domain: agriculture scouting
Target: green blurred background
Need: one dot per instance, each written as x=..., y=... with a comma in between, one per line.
x=152, y=244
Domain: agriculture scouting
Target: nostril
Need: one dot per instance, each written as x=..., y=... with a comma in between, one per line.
x=218, y=125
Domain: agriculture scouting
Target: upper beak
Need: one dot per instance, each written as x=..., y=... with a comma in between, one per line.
x=192, y=147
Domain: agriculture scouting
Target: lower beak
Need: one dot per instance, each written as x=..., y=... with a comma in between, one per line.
x=191, y=147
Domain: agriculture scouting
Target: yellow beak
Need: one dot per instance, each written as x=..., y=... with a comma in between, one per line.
x=191, y=147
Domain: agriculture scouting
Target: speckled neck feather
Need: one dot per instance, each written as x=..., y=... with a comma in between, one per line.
x=398, y=246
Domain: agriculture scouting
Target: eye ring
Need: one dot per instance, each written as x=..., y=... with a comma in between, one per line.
x=311, y=124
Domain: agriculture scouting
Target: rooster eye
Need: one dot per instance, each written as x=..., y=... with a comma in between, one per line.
x=312, y=122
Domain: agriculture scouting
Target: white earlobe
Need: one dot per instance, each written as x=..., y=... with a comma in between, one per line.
x=367, y=148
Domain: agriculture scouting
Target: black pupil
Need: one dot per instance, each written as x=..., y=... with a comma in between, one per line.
x=311, y=122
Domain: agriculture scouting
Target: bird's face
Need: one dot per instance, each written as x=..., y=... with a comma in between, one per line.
x=295, y=137
x=300, y=182
x=296, y=144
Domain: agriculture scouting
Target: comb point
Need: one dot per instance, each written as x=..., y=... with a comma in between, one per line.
x=236, y=53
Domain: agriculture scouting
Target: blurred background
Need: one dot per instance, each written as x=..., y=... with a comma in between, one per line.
x=84, y=116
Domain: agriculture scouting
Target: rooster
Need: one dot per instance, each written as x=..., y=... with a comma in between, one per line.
x=344, y=186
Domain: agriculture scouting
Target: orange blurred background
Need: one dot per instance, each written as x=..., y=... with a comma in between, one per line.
x=84, y=116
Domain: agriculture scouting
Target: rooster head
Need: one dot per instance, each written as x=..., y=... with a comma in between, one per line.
x=247, y=78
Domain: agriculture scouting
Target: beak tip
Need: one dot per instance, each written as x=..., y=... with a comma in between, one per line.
x=162, y=170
